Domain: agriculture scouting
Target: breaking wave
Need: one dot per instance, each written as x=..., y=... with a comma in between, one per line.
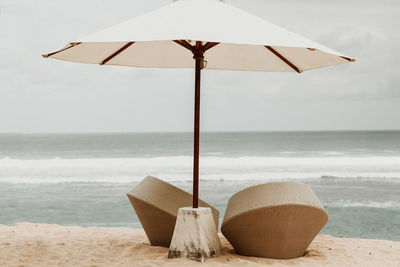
x=179, y=168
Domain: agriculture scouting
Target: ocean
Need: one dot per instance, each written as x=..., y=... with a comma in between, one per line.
x=82, y=179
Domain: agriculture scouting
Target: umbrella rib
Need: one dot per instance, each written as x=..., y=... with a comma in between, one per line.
x=209, y=45
x=116, y=53
x=184, y=43
x=348, y=59
x=276, y=53
x=190, y=47
x=66, y=48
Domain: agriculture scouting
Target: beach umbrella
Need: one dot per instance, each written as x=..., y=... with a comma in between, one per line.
x=201, y=34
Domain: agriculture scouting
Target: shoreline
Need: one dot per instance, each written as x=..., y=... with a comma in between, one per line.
x=31, y=244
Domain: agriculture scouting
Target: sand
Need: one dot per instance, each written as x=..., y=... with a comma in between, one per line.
x=28, y=244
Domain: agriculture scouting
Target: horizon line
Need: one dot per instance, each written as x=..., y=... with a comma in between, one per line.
x=205, y=132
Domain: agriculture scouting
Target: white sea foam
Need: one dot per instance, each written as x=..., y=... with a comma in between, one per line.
x=179, y=168
x=368, y=204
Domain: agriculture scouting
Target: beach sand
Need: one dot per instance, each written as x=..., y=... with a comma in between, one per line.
x=28, y=244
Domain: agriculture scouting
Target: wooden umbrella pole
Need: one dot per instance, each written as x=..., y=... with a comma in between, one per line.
x=198, y=56
x=198, y=51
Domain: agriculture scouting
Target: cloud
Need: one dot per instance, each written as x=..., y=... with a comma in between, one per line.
x=42, y=95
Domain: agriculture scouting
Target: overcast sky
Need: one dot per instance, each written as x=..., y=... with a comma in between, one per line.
x=44, y=95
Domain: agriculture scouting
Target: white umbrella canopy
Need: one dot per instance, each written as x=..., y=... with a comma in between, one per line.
x=239, y=41
x=215, y=34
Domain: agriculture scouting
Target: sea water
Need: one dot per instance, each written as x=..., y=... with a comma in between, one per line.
x=82, y=179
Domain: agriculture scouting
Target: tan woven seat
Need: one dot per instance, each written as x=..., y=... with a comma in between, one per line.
x=274, y=220
x=156, y=203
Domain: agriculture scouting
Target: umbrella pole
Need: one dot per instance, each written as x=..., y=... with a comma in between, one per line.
x=195, y=234
x=198, y=68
